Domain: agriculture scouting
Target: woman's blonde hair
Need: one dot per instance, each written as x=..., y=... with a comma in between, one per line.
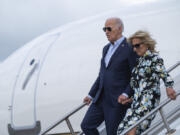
x=145, y=38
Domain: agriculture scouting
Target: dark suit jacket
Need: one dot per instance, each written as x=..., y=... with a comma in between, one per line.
x=114, y=79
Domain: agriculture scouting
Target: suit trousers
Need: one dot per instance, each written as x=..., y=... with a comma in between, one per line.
x=99, y=112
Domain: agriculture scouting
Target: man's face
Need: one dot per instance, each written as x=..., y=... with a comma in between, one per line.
x=113, y=32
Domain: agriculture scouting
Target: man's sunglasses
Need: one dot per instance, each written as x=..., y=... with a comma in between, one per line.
x=107, y=28
x=136, y=45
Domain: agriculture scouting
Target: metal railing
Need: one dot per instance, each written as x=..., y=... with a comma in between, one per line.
x=65, y=118
x=158, y=126
x=173, y=67
x=158, y=108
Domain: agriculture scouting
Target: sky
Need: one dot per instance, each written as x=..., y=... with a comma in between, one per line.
x=23, y=20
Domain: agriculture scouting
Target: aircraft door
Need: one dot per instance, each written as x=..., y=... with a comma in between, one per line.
x=23, y=109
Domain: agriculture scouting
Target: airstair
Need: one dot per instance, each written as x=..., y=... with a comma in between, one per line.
x=167, y=121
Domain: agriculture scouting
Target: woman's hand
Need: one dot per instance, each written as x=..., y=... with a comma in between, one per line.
x=171, y=93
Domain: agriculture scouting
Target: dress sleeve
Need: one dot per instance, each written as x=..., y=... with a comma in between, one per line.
x=162, y=73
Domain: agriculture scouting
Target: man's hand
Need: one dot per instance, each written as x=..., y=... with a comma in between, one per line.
x=121, y=98
x=87, y=100
x=171, y=93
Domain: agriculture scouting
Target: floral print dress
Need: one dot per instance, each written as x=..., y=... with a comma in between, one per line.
x=145, y=82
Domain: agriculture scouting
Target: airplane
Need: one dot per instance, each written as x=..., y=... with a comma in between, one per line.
x=50, y=75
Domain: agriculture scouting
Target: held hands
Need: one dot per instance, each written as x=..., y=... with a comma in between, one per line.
x=87, y=100
x=128, y=100
x=171, y=93
x=124, y=100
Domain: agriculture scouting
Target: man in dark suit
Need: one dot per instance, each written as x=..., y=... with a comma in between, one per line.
x=112, y=83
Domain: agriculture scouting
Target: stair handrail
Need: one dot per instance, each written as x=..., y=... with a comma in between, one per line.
x=65, y=118
x=172, y=115
x=173, y=67
x=150, y=113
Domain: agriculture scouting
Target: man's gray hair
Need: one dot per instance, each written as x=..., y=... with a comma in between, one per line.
x=120, y=23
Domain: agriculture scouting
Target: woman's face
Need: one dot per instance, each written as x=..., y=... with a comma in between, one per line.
x=139, y=47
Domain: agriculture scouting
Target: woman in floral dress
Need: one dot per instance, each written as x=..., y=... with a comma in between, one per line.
x=145, y=82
